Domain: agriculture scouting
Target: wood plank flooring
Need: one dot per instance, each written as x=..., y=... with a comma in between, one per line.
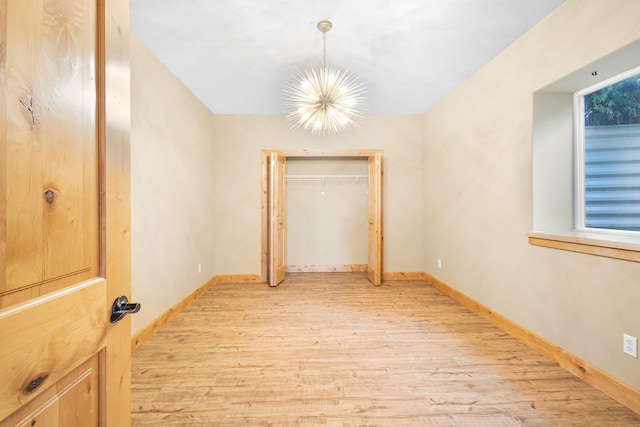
x=331, y=349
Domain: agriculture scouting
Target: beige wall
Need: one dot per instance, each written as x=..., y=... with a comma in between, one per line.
x=327, y=220
x=478, y=197
x=172, y=200
x=239, y=141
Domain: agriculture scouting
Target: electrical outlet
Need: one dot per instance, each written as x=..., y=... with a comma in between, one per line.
x=630, y=345
x=199, y=268
x=439, y=263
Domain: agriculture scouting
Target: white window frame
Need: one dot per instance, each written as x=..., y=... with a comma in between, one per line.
x=579, y=157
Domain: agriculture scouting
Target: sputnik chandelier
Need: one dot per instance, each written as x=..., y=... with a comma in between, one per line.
x=324, y=100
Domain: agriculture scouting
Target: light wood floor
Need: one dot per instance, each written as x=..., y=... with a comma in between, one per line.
x=331, y=349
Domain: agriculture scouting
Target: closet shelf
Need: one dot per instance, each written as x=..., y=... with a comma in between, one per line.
x=327, y=177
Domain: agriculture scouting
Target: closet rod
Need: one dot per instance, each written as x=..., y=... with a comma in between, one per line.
x=327, y=177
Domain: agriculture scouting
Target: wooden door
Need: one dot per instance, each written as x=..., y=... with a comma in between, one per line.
x=64, y=212
x=374, y=267
x=277, y=210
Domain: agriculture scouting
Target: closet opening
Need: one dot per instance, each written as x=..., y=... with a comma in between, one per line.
x=321, y=211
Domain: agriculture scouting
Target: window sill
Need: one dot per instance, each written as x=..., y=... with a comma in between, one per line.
x=575, y=242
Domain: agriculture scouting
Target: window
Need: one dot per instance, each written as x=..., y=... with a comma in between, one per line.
x=607, y=130
x=586, y=159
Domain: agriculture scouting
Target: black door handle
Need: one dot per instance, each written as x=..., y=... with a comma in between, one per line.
x=121, y=307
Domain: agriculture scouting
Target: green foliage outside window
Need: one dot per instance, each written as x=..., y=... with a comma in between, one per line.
x=616, y=104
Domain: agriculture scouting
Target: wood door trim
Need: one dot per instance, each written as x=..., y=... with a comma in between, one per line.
x=311, y=153
x=327, y=153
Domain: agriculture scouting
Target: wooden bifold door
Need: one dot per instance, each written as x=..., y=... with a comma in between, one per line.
x=274, y=263
x=374, y=239
x=277, y=211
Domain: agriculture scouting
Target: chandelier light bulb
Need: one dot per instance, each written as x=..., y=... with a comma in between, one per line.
x=324, y=100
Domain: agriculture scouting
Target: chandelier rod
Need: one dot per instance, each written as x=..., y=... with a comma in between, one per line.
x=324, y=27
x=324, y=51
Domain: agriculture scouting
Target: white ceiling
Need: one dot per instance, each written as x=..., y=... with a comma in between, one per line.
x=238, y=55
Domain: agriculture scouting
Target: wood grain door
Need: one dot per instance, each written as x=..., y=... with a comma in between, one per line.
x=277, y=210
x=374, y=240
x=64, y=212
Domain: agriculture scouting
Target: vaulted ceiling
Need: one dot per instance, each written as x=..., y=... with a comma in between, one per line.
x=238, y=55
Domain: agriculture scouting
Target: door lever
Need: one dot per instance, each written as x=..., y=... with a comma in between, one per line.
x=121, y=307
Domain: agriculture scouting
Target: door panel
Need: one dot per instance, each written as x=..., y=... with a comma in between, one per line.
x=50, y=180
x=64, y=213
x=32, y=355
x=374, y=268
x=277, y=226
x=65, y=403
